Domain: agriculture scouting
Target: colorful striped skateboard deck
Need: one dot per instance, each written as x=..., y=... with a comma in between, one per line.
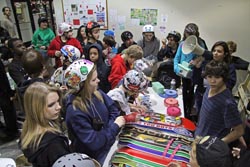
x=132, y=130
x=144, y=158
x=157, y=151
x=157, y=142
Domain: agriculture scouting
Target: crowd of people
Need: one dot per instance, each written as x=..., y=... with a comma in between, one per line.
x=95, y=83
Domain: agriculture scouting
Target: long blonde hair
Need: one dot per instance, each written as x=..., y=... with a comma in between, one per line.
x=35, y=124
x=84, y=97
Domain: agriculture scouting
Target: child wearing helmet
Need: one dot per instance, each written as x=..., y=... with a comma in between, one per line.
x=133, y=83
x=164, y=72
x=42, y=37
x=122, y=63
x=169, y=46
x=91, y=116
x=65, y=37
x=93, y=33
x=127, y=39
x=76, y=160
x=150, y=44
x=42, y=140
x=187, y=83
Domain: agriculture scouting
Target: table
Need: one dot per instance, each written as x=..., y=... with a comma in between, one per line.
x=159, y=107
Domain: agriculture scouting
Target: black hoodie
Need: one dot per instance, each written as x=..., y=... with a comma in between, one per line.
x=102, y=69
x=51, y=147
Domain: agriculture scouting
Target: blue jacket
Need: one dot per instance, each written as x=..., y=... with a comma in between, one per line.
x=180, y=57
x=86, y=140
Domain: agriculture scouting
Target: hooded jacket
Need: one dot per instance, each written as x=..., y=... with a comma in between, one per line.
x=56, y=45
x=51, y=147
x=102, y=69
x=87, y=139
x=118, y=70
x=42, y=37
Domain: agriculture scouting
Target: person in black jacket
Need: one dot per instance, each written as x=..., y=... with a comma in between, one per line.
x=127, y=38
x=34, y=66
x=4, y=50
x=7, y=106
x=15, y=68
x=42, y=140
x=238, y=62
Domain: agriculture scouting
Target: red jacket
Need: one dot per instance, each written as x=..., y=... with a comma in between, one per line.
x=118, y=70
x=56, y=45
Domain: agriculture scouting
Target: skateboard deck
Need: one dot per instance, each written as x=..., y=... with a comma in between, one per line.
x=168, y=120
x=145, y=158
x=161, y=127
x=157, y=151
x=156, y=141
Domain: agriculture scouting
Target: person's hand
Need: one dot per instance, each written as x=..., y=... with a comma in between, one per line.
x=132, y=117
x=120, y=121
x=12, y=98
x=43, y=47
x=63, y=88
x=139, y=109
x=58, y=53
x=30, y=47
x=105, y=53
x=197, y=62
x=236, y=152
x=164, y=43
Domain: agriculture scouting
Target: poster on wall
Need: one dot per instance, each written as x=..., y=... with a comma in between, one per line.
x=146, y=16
x=80, y=12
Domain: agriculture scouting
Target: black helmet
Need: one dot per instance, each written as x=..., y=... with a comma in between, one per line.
x=175, y=34
x=42, y=19
x=126, y=35
x=90, y=26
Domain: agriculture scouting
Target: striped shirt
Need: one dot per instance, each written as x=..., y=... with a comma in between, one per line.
x=218, y=115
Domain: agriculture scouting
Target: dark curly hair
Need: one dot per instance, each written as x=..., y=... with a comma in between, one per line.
x=216, y=68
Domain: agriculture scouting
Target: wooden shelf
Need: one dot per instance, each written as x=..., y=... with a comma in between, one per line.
x=244, y=94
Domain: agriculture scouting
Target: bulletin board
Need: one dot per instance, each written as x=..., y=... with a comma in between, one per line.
x=80, y=12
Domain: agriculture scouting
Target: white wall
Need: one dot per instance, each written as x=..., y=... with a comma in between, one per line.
x=217, y=19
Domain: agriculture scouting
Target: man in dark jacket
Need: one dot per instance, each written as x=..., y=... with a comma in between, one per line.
x=15, y=68
x=6, y=105
x=127, y=38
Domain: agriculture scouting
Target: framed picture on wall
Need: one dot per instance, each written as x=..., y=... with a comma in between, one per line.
x=80, y=12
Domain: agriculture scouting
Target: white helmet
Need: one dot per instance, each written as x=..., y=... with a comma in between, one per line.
x=8, y=162
x=76, y=160
x=135, y=81
x=77, y=72
x=140, y=65
x=57, y=76
x=71, y=53
x=148, y=28
x=64, y=27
